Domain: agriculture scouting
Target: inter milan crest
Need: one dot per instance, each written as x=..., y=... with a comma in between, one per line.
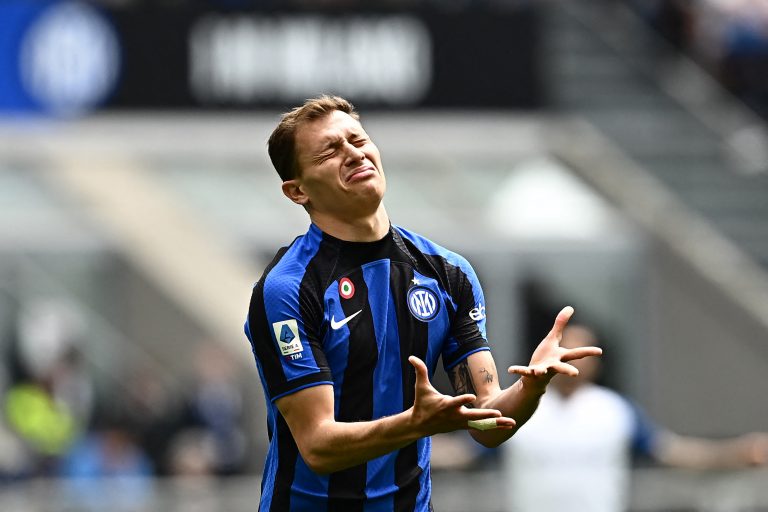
x=346, y=288
x=423, y=303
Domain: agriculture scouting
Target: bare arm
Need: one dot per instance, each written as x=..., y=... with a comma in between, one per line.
x=477, y=375
x=327, y=445
x=698, y=453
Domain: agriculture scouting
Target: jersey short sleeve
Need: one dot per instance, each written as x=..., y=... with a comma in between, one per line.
x=645, y=433
x=283, y=326
x=467, y=333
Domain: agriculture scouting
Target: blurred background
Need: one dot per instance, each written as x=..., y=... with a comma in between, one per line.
x=608, y=154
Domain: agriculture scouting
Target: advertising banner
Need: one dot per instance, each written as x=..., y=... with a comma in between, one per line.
x=69, y=56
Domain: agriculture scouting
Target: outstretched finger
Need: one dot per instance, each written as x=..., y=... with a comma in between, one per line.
x=561, y=320
x=539, y=370
x=491, y=423
x=565, y=369
x=580, y=352
x=530, y=371
x=461, y=400
x=422, y=375
x=480, y=414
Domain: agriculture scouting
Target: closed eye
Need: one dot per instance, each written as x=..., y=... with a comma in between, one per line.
x=325, y=155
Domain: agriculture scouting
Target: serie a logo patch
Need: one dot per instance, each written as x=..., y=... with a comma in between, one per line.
x=287, y=335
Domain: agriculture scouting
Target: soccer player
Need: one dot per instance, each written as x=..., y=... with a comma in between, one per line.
x=348, y=323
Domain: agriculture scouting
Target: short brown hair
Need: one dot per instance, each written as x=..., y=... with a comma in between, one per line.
x=282, y=142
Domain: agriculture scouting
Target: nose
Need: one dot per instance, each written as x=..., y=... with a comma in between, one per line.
x=354, y=154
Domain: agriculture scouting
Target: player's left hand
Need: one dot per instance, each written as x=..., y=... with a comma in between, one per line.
x=550, y=358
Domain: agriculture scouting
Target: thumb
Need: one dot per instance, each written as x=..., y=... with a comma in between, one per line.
x=561, y=321
x=422, y=376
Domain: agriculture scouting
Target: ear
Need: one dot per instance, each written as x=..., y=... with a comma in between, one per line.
x=293, y=190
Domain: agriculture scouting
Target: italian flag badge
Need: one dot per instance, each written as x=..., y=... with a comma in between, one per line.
x=346, y=288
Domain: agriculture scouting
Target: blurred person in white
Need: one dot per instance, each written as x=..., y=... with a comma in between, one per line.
x=50, y=395
x=16, y=461
x=575, y=453
x=51, y=336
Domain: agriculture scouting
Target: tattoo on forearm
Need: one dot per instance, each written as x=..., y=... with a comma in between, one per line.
x=488, y=377
x=461, y=378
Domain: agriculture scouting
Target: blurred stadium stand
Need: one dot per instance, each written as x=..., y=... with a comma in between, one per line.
x=576, y=149
x=689, y=136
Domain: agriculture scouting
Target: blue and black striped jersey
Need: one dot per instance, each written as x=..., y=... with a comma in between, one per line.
x=349, y=314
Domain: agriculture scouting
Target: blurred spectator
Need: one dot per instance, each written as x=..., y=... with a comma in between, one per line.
x=744, y=64
x=15, y=459
x=155, y=413
x=673, y=19
x=215, y=407
x=193, y=453
x=193, y=459
x=574, y=453
x=46, y=427
x=728, y=37
x=50, y=396
x=107, y=470
x=50, y=334
x=198, y=432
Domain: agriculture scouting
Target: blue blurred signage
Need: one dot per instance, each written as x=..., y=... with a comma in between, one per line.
x=56, y=57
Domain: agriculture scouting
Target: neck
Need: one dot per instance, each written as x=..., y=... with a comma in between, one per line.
x=361, y=229
x=566, y=391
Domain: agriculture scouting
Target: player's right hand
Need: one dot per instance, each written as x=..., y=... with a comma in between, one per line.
x=434, y=412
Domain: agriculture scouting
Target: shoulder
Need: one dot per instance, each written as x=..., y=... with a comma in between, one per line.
x=290, y=264
x=600, y=398
x=430, y=248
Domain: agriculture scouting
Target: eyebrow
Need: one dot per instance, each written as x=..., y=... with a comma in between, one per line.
x=332, y=142
x=324, y=146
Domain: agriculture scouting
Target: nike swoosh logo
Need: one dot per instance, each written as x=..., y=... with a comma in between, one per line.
x=341, y=323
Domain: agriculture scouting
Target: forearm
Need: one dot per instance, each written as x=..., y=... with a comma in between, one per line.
x=327, y=445
x=478, y=375
x=697, y=453
x=334, y=446
x=519, y=401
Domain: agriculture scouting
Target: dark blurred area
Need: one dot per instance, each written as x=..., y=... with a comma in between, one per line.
x=60, y=423
x=232, y=54
x=728, y=38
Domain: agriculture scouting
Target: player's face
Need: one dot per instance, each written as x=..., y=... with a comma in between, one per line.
x=340, y=167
